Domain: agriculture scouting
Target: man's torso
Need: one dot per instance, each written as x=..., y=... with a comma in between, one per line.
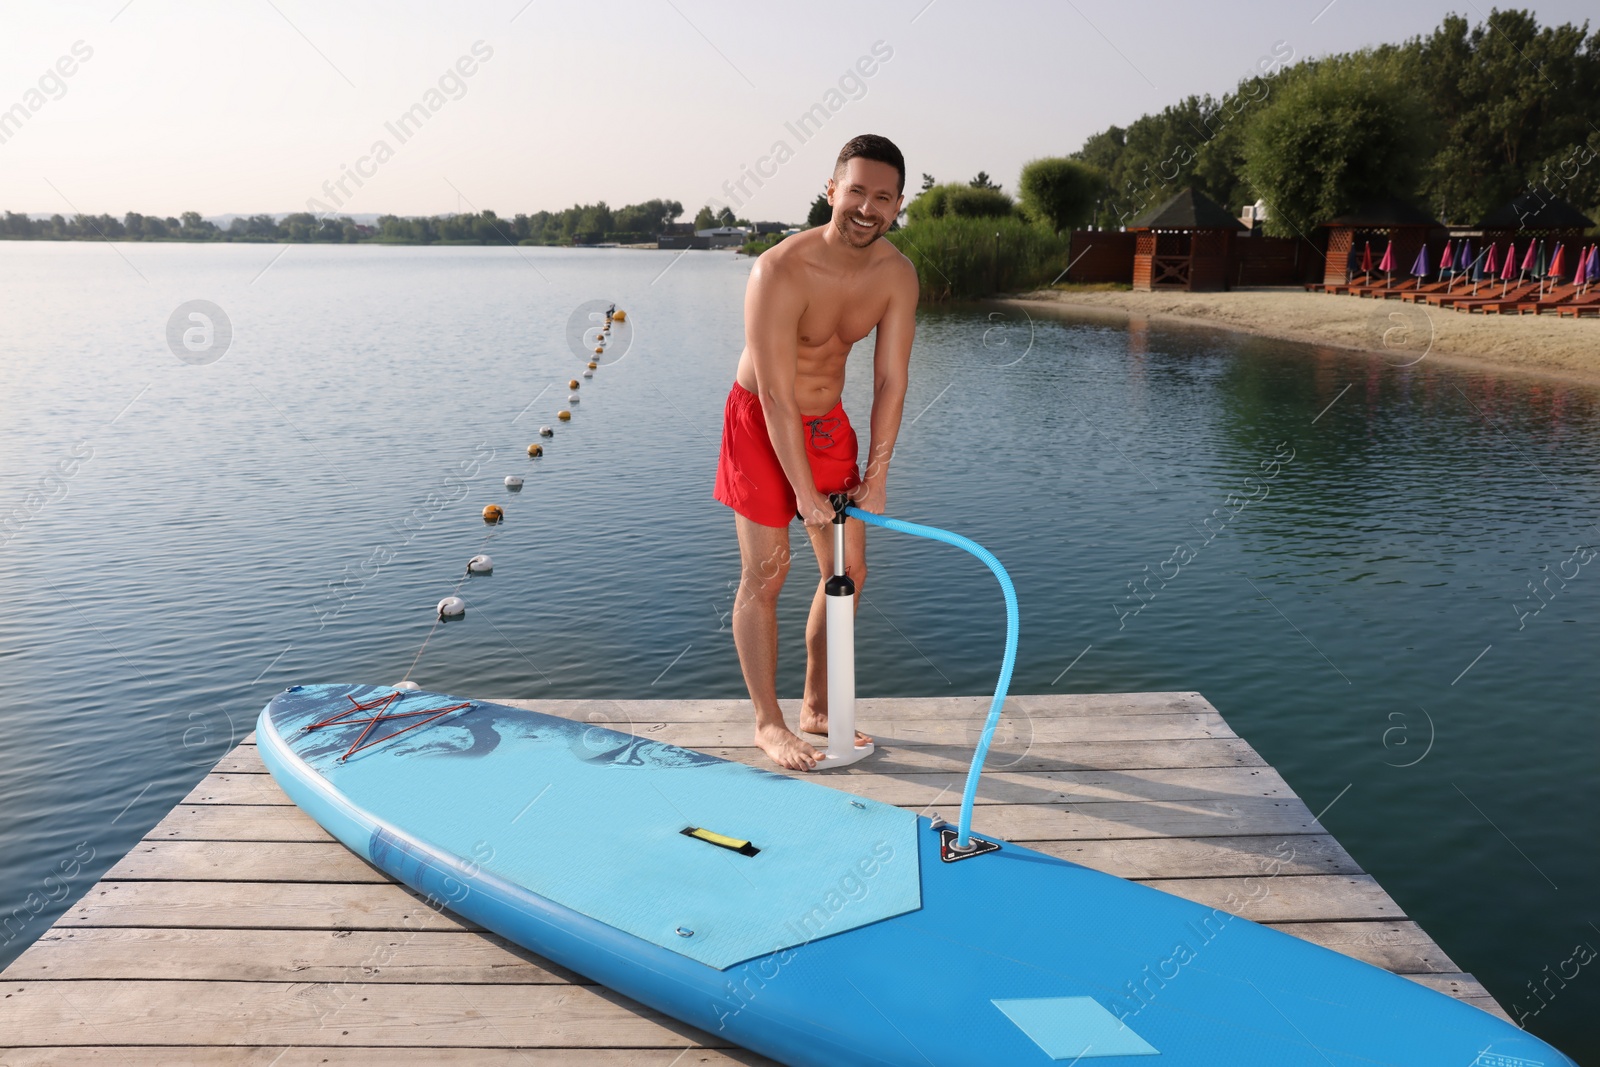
x=840, y=309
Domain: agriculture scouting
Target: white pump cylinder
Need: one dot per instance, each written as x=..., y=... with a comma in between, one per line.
x=841, y=622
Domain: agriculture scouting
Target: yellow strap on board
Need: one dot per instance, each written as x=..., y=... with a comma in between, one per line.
x=719, y=839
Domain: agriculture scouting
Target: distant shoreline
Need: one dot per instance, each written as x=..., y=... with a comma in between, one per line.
x=334, y=244
x=1399, y=334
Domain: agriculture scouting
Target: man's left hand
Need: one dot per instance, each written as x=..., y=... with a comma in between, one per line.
x=869, y=496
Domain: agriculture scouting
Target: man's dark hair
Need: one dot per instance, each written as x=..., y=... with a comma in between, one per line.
x=876, y=148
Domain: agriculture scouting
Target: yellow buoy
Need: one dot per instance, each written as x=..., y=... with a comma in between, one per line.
x=492, y=513
x=619, y=315
x=573, y=384
x=593, y=364
x=564, y=416
x=536, y=450
x=598, y=350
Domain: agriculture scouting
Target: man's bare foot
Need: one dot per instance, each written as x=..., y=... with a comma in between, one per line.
x=815, y=722
x=785, y=748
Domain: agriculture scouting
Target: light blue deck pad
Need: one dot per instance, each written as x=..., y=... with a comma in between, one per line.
x=1074, y=1028
x=592, y=819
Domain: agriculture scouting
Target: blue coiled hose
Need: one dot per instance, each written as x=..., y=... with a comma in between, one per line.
x=933, y=534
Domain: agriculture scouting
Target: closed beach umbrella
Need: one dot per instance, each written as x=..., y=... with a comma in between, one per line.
x=1446, y=260
x=1582, y=268
x=1488, y=266
x=1366, y=259
x=1528, y=260
x=1541, y=269
x=1420, y=267
x=1510, y=269
x=1386, y=264
x=1464, y=263
x=1558, y=263
x=1592, y=275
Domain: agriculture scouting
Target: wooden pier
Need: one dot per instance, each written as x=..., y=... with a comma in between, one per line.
x=239, y=933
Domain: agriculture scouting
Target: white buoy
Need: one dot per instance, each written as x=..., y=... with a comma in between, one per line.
x=407, y=686
x=573, y=399
x=513, y=482
x=588, y=374
x=452, y=607
x=479, y=565
x=545, y=431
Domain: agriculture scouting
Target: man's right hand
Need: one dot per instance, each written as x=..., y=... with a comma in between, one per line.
x=816, y=509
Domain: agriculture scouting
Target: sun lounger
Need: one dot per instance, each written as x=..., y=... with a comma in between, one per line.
x=1486, y=295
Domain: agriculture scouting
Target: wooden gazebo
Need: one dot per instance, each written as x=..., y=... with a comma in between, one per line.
x=1539, y=214
x=1382, y=221
x=1183, y=244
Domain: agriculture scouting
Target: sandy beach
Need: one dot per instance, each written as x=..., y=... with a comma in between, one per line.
x=1400, y=333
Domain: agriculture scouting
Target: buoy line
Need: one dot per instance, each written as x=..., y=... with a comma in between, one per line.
x=453, y=606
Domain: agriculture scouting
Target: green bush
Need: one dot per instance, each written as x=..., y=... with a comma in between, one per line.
x=968, y=258
x=1061, y=193
x=757, y=245
x=960, y=201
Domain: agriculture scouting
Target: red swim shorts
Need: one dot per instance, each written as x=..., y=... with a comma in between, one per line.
x=749, y=478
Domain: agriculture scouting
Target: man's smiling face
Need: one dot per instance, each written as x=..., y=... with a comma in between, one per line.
x=865, y=198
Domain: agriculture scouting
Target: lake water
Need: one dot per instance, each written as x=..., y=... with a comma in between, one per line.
x=1353, y=590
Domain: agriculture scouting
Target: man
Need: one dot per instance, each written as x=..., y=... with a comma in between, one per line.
x=786, y=441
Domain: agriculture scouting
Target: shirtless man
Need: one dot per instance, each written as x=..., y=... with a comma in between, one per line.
x=786, y=442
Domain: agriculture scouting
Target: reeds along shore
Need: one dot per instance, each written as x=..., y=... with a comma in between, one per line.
x=968, y=258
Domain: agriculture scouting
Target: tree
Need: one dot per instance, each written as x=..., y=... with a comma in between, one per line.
x=725, y=217
x=821, y=212
x=982, y=182
x=1059, y=192
x=1511, y=100
x=1347, y=133
x=705, y=219
x=927, y=181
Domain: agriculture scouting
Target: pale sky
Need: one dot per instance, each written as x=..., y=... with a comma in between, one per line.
x=251, y=105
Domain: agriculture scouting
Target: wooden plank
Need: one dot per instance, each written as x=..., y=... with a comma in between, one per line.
x=295, y=1013
x=330, y=861
x=283, y=905
x=1284, y=898
x=893, y=733
x=1026, y=823
x=1400, y=946
x=1179, y=857
x=916, y=790
x=1038, y=757
x=617, y=713
x=321, y=905
x=1021, y=725
x=323, y=1056
x=243, y=861
x=221, y=822
x=1022, y=823
x=258, y=955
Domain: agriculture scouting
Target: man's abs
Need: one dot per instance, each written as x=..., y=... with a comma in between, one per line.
x=818, y=377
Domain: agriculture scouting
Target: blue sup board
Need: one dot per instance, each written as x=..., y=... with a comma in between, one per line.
x=819, y=928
